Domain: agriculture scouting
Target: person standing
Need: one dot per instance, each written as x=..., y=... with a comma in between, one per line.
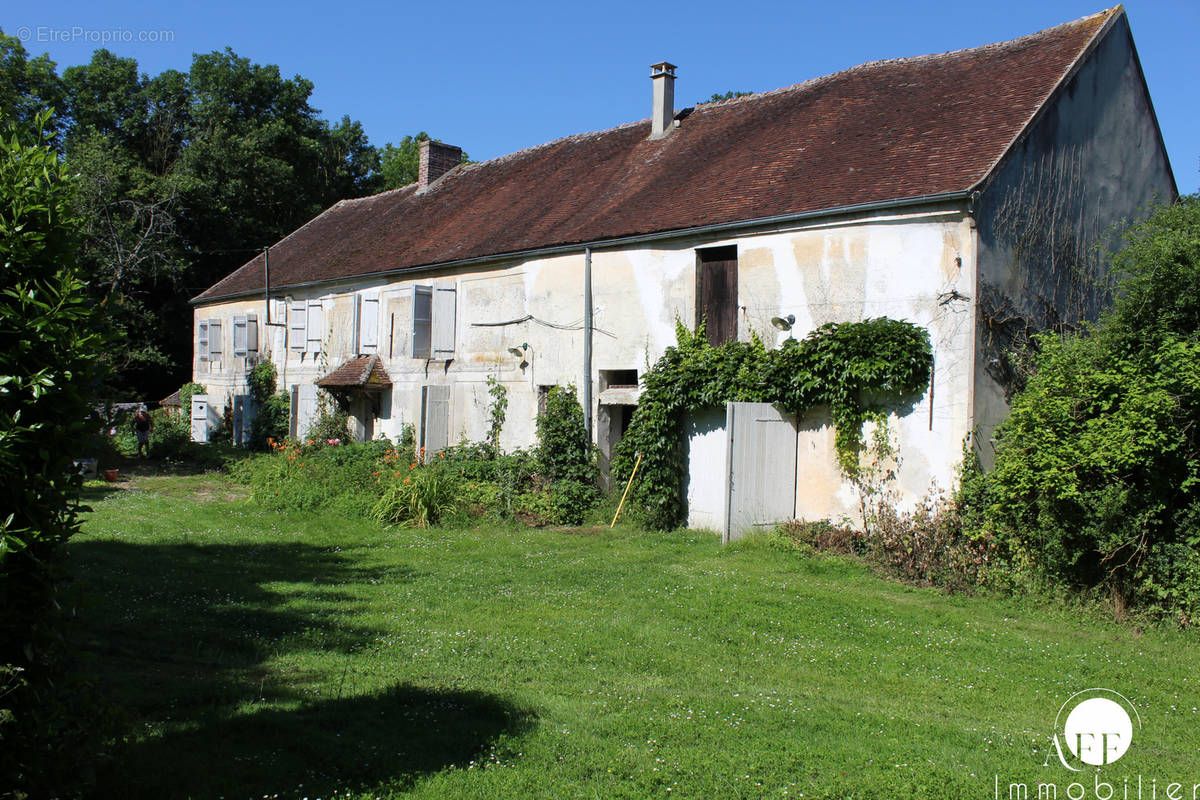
x=143, y=425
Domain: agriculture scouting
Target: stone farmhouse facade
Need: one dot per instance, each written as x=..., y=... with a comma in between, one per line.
x=964, y=192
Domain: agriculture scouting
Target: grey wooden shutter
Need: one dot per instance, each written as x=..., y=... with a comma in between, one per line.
x=202, y=340
x=297, y=325
x=214, y=340
x=239, y=337
x=252, y=333
x=316, y=325
x=435, y=430
x=443, y=322
x=421, y=319
x=368, y=336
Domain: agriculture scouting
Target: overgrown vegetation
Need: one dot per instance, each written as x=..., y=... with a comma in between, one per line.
x=48, y=348
x=397, y=485
x=273, y=409
x=1097, y=474
x=853, y=367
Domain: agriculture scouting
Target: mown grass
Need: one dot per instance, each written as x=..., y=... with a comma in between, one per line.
x=262, y=654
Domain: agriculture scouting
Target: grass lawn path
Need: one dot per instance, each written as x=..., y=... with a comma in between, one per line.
x=295, y=655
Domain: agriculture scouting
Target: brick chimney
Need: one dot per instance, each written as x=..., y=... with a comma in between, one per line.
x=436, y=159
x=662, y=75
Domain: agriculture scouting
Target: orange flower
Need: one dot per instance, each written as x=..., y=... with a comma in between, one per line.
x=396, y=475
x=408, y=480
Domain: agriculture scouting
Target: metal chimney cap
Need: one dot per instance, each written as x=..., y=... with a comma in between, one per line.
x=662, y=68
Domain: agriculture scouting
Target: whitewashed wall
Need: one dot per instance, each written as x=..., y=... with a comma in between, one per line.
x=905, y=266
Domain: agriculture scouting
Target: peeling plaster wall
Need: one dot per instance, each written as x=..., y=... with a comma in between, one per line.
x=887, y=264
x=904, y=266
x=1092, y=160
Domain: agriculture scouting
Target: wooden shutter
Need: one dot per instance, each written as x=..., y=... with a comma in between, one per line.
x=443, y=322
x=421, y=319
x=435, y=428
x=368, y=318
x=252, y=333
x=298, y=327
x=316, y=325
x=239, y=337
x=202, y=340
x=717, y=293
x=214, y=340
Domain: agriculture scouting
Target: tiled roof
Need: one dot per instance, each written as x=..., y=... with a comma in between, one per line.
x=362, y=372
x=883, y=131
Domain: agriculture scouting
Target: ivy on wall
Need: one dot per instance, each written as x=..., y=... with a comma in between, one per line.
x=853, y=367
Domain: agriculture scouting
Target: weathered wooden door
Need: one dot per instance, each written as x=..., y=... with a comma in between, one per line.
x=200, y=425
x=717, y=293
x=761, y=485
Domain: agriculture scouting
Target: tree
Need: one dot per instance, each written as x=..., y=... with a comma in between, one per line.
x=717, y=98
x=183, y=177
x=1097, y=474
x=27, y=85
x=48, y=346
x=399, y=163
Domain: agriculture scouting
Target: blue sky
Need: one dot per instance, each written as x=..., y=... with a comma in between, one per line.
x=496, y=77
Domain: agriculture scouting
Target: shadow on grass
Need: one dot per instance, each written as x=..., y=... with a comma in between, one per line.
x=390, y=739
x=178, y=638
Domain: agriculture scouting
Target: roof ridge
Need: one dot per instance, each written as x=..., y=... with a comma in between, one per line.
x=887, y=62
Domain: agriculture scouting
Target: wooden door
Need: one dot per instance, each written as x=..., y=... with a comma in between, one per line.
x=717, y=293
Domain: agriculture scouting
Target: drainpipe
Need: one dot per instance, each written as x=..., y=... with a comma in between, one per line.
x=587, y=341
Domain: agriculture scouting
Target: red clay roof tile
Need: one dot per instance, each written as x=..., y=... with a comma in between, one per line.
x=887, y=130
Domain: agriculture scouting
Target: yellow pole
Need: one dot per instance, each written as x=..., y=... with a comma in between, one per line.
x=625, y=494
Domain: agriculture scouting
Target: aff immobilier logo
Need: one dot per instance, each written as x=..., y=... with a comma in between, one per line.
x=1094, y=729
x=1095, y=726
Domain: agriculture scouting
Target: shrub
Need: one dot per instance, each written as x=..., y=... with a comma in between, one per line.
x=343, y=478
x=565, y=458
x=1096, y=466
x=273, y=413
x=419, y=497
x=48, y=347
x=330, y=426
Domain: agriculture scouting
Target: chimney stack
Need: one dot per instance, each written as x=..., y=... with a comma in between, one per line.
x=436, y=159
x=663, y=76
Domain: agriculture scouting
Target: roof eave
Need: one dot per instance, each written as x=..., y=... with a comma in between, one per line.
x=678, y=233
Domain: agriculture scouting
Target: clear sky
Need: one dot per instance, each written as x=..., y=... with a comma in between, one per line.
x=495, y=77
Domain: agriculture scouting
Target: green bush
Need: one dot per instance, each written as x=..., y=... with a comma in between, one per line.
x=345, y=478
x=565, y=457
x=419, y=497
x=1097, y=468
x=272, y=416
x=332, y=426
x=48, y=348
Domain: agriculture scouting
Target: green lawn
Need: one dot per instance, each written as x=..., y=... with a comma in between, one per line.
x=287, y=655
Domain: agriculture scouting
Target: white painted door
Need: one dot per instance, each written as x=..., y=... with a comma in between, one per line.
x=761, y=484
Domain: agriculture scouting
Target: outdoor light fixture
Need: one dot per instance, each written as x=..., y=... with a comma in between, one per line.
x=519, y=352
x=784, y=323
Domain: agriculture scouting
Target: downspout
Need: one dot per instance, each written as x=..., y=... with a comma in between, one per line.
x=587, y=341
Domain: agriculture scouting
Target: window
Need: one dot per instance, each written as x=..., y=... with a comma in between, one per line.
x=717, y=293
x=435, y=419
x=245, y=335
x=366, y=312
x=434, y=309
x=297, y=326
x=316, y=325
x=202, y=340
x=422, y=321
x=214, y=340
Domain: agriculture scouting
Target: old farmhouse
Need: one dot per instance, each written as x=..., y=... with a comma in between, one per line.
x=963, y=192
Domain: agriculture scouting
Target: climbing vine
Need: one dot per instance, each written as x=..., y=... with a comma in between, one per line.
x=853, y=367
